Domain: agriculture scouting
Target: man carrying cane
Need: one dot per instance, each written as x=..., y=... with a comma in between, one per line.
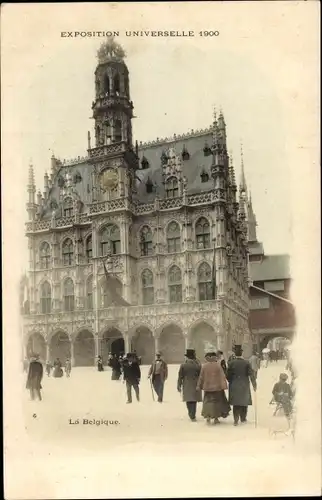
x=159, y=374
x=239, y=374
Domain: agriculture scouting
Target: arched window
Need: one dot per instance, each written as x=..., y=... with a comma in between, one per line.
x=89, y=248
x=45, y=255
x=45, y=298
x=205, y=282
x=203, y=233
x=175, y=284
x=173, y=237
x=147, y=287
x=172, y=188
x=110, y=240
x=118, y=131
x=97, y=86
x=106, y=84
x=146, y=241
x=69, y=298
x=89, y=293
x=68, y=252
x=117, y=87
x=108, y=132
x=68, y=207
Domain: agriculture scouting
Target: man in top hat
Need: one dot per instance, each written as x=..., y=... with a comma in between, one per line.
x=239, y=375
x=159, y=373
x=187, y=382
x=34, y=378
x=132, y=376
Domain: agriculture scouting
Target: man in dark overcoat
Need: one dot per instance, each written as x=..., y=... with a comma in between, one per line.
x=35, y=375
x=159, y=373
x=187, y=383
x=132, y=376
x=239, y=376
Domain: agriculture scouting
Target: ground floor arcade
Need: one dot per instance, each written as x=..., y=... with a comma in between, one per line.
x=85, y=346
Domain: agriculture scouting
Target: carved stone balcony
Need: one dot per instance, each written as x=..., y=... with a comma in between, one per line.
x=101, y=151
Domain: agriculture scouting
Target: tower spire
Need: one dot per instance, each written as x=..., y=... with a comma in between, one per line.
x=251, y=220
x=31, y=189
x=243, y=184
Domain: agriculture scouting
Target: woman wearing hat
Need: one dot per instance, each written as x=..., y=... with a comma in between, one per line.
x=213, y=382
x=187, y=383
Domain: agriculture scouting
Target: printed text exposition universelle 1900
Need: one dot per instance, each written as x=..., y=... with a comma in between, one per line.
x=183, y=33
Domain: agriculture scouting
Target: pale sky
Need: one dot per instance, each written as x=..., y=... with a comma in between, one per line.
x=251, y=71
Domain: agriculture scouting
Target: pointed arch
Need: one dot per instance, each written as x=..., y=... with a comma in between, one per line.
x=45, y=255
x=106, y=83
x=202, y=231
x=172, y=342
x=68, y=252
x=117, y=131
x=204, y=278
x=146, y=241
x=45, y=298
x=173, y=237
x=172, y=187
x=116, y=84
x=68, y=209
x=175, y=284
x=110, y=240
x=89, y=248
x=147, y=287
x=69, y=297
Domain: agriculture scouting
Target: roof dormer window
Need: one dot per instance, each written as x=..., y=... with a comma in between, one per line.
x=185, y=154
x=207, y=149
x=149, y=185
x=204, y=176
x=145, y=163
x=164, y=158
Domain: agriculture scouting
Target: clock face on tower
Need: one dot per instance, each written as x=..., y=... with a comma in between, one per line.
x=109, y=179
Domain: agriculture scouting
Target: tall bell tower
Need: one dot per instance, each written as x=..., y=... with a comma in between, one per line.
x=113, y=155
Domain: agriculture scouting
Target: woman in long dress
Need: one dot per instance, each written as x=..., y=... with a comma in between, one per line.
x=213, y=382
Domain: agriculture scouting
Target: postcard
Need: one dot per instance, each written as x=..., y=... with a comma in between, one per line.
x=160, y=215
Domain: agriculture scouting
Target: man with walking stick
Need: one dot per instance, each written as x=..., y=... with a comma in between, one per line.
x=158, y=374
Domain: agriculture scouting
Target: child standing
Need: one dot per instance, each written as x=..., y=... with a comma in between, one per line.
x=283, y=395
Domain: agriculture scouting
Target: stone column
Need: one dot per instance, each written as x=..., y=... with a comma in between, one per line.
x=127, y=342
x=157, y=343
x=97, y=341
x=72, y=355
x=47, y=351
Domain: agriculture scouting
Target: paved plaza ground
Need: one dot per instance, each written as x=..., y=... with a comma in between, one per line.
x=153, y=449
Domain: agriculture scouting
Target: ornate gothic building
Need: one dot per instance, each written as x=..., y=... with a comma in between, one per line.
x=166, y=220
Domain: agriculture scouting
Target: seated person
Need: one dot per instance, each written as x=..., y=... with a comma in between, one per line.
x=282, y=394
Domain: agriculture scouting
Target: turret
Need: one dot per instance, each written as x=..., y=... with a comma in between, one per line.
x=242, y=185
x=31, y=189
x=113, y=113
x=46, y=185
x=112, y=108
